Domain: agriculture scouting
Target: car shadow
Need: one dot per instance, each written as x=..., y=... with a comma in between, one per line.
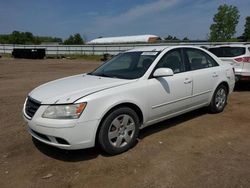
x=242, y=86
x=92, y=153
x=67, y=155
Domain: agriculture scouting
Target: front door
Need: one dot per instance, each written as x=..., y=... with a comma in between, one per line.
x=172, y=94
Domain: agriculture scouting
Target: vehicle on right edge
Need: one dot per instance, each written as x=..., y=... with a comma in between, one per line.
x=236, y=55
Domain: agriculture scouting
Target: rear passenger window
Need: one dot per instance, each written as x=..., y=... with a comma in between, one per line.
x=197, y=59
x=172, y=60
x=228, y=51
x=211, y=61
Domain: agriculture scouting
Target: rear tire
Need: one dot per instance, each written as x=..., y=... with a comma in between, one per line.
x=219, y=100
x=119, y=131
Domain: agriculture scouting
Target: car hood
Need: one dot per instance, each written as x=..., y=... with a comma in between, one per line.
x=69, y=89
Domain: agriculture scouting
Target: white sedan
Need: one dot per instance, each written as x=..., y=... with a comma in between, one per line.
x=133, y=90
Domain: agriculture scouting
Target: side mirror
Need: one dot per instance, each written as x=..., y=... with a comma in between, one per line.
x=162, y=72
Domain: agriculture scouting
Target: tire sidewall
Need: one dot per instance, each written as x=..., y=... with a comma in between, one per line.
x=213, y=107
x=103, y=139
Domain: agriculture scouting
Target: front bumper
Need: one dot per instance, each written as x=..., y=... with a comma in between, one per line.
x=64, y=134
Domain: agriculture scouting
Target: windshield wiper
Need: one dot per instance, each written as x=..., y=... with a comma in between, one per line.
x=103, y=75
x=108, y=75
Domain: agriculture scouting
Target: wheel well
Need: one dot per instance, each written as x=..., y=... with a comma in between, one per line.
x=226, y=85
x=129, y=105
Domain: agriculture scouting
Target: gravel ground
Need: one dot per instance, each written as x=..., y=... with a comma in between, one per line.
x=197, y=149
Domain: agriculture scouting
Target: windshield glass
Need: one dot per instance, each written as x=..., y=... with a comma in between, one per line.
x=228, y=51
x=129, y=65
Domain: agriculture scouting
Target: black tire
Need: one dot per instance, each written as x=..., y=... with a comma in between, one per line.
x=110, y=125
x=215, y=106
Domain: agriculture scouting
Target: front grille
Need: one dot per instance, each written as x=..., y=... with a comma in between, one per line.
x=31, y=107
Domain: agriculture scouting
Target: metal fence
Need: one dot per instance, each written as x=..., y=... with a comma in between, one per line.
x=96, y=49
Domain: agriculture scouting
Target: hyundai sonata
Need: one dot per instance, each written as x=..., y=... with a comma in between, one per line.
x=133, y=90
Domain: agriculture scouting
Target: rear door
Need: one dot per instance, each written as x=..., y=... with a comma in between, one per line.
x=204, y=74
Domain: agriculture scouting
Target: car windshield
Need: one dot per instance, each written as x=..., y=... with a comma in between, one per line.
x=128, y=65
x=228, y=51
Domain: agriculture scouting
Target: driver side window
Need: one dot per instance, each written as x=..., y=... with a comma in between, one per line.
x=172, y=60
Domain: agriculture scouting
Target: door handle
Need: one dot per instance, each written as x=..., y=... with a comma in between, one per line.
x=187, y=81
x=215, y=75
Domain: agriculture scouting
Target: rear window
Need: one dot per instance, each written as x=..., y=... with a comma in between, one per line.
x=228, y=51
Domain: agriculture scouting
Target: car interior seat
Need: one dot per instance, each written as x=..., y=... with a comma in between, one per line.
x=146, y=63
x=173, y=63
x=196, y=63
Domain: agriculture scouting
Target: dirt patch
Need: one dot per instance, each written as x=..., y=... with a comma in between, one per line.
x=193, y=150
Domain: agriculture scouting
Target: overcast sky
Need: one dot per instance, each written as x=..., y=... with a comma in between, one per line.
x=94, y=18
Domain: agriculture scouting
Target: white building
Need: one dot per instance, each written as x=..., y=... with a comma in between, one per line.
x=126, y=39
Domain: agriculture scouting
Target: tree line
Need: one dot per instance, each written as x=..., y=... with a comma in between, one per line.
x=17, y=37
x=224, y=26
x=222, y=29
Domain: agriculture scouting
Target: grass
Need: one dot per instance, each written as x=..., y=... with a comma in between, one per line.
x=71, y=56
x=6, y=55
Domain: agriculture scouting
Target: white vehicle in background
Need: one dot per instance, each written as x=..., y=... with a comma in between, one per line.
x=236, y=55
x=131, y=91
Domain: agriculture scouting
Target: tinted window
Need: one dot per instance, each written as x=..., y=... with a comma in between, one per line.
x=143, y=61
x=173, y=61
x=211, y=61
x=198, y=59
x=129, y=65
x=228, y=51
x=124, y=63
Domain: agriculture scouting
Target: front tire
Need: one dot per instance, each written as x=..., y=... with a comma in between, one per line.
x=119, y=131
x=219, y=100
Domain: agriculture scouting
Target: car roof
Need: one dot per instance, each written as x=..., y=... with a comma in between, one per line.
x=149, y=48
x=160, y=48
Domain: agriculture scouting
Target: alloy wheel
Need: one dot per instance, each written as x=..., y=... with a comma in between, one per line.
x=121, y=130
x=220, y=98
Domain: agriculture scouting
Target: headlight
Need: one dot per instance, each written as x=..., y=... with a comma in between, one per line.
x=68, y=111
